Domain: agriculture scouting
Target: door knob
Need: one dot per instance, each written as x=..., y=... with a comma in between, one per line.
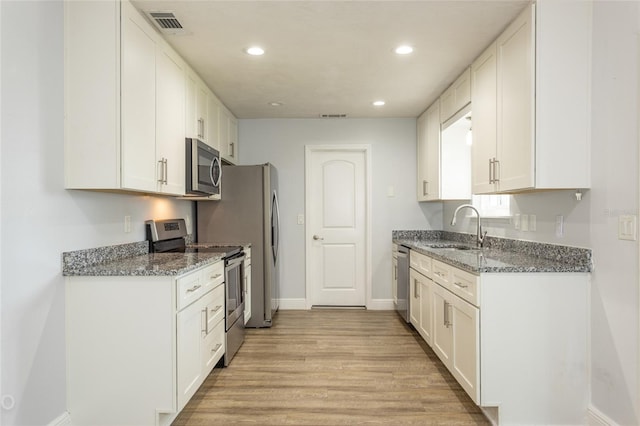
x=316, y=237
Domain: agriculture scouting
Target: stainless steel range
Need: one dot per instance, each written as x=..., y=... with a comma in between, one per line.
x=169, y=236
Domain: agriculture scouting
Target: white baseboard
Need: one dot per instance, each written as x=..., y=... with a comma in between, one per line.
x=381, y=305
x=301, y=304
x=63, y=419
x=292, y=304
x=596, y=417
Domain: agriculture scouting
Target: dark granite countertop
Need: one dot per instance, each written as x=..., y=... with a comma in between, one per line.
x=499, y=256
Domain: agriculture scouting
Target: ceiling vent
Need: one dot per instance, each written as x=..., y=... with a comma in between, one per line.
x=333, y=115
x=166, y=22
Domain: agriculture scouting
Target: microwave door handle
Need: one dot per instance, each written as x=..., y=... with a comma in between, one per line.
x=215, y=181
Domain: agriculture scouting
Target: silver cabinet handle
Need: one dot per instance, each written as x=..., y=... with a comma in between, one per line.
x=161, y=178
x=490, y=170
x=447, y=315
x=206, y=321
x=317, y=237
x=496, y=171
x=215, y=277
x=216, y=309
x=395, y=272
x=425, y=184
x=194, y=288
x=415, y=289
x=166, y=171
x=459, y=284
x=440, y=274
x=218, y=346
x=233, y=150
x=201, y=128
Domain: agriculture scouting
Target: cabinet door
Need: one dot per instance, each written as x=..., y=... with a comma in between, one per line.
x=433, y=152
x=201, y=113
x=394, y=282
x=442, y=338
x=465, y=362
x=516, y=94
x=414, y=298
x=213, y=122
x=138, y=103
x=191, y=120
x=421, y=156
x=484, y=121
x=170, y=121
x=233, y=139
x=190, y=332
x=247, y=293
x=426, y=310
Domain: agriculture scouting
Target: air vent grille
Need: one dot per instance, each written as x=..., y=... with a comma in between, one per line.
x=333, y=115
x=166, y=21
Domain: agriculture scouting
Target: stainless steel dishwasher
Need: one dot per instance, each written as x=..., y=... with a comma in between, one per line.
x=403, y=283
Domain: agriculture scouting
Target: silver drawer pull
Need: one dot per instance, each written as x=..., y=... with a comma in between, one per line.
x=459, y=284
x=215, y=277
x=439, y=274
x=216, y=309
x=194, y=288
x=218, y=346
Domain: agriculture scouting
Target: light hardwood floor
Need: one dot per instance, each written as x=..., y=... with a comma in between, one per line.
x=332, y=367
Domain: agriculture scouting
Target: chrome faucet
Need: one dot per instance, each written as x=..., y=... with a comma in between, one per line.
x=479, y=235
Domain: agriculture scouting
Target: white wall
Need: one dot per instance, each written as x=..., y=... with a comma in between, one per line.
x=282, y=142
x=593, y=222
x=40, y=219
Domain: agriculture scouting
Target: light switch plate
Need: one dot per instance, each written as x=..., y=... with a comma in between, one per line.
x=524, y=222
x=127, y=224
x=628, y=227
x=516, y=221
x=300, y=219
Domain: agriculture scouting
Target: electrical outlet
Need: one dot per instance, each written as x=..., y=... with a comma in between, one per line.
x=300, y=219
x=516, y=221
x=533, y=225
x=559, y=226
x=127, y=224
x=524, y=222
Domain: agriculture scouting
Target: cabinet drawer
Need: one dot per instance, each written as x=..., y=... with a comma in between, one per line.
x=213, y=348
x=421, y=263
x=189, y=289
x=441, y=273
x=213, y=276
x=465, y=285
x=214, y=308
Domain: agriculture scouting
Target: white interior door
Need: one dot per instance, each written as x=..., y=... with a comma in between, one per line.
x=337, y=194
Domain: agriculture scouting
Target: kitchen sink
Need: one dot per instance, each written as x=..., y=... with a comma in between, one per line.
x=454, y=247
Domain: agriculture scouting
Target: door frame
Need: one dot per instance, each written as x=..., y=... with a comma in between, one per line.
x=308, y=232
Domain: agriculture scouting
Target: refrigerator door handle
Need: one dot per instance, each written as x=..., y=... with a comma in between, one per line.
x=275, y=226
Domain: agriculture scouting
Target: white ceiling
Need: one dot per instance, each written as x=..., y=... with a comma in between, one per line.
x=332, y=57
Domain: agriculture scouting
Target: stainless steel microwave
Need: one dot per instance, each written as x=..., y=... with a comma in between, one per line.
x=204, y=171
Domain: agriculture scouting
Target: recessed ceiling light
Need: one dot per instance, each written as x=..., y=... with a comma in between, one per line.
x=275, y=104
x=378, y=103
x=255, y=51
x=405, y=49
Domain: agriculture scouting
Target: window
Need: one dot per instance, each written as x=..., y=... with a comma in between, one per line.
x=492, y=205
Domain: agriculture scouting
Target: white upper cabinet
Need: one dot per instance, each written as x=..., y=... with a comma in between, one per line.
x=130, y=101
x=456, y=97
x=138, y=103
x=530, y=94
x=428, y=154
x=170, y=119
x=228, y=136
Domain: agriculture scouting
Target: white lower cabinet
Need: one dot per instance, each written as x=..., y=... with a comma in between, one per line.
x=488, y=329
x=138, y=348
x=247, y=284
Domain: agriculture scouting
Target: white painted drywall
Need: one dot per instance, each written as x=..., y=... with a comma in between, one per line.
x=393, y=145
x=40, y=219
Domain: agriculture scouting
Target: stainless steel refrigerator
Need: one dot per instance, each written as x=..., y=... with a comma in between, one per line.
x=248, y=212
